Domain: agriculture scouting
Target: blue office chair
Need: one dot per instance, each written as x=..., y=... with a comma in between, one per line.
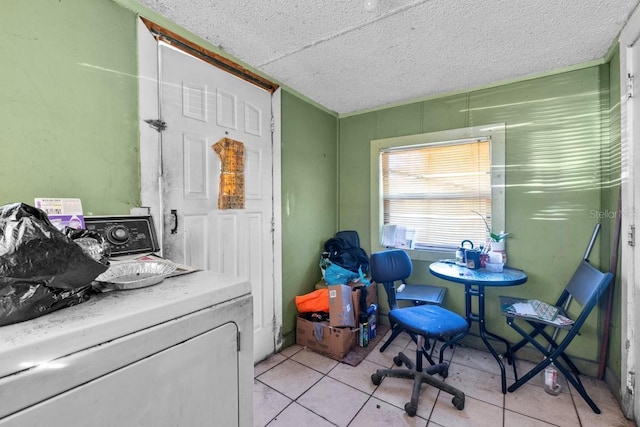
x=416, y=294
x=423, y=322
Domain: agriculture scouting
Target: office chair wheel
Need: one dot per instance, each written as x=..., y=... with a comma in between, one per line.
x=376, y=379
x=458, y=403
x=411, y=409
x=397, y=360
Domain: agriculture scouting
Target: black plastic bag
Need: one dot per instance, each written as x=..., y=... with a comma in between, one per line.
x=34, y=250
x=25, y=301
x=342, y=253
x=41, y=268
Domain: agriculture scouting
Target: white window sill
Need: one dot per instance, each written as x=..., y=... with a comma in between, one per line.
x=430, y=255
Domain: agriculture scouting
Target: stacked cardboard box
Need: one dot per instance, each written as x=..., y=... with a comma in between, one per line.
x=325, y=339
x=372, y=296
x=341, y=306
x=340, y=334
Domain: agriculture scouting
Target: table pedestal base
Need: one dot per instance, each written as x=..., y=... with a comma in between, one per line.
x=478, y=291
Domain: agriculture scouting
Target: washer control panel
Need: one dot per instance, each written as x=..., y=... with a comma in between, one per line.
x=126, y=234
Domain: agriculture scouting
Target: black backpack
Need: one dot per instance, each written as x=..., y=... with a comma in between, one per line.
x=342, y=252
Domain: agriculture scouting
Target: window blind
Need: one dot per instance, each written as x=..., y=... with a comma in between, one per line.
x=435, y=190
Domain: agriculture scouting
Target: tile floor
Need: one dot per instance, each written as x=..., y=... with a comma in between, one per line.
x=298, y=387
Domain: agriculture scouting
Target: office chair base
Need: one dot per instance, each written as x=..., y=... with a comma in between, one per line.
x=422, y=376
x=397, y=330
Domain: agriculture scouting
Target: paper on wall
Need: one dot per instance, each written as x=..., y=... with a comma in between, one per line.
x=398, y=236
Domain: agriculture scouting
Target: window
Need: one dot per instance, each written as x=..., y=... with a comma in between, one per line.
x=435, y=183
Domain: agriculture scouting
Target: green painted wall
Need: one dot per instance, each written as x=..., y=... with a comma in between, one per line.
x=558, y=171
x=69, y=109
x=309, y=202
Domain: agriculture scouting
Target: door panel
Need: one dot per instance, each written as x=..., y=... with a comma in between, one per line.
x=201, y=105
x=227, y=246
x=253, y=162
x=194, y=101
x=227, y=110
x=195, y=167
x=195, y=243
x=252, y=119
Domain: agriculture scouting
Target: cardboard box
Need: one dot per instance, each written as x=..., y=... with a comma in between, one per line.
x=341, y=306
x=325, y=339
x=372, y=295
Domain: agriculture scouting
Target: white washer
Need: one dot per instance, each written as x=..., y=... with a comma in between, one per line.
x=179, y=353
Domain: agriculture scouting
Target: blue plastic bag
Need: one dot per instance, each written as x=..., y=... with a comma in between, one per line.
x=333, y=274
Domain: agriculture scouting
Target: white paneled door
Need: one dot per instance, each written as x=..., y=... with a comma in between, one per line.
x=201, y=105
x=629, y=269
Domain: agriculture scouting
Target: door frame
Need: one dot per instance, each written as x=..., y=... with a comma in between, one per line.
x=630, y=275
x=151, y=161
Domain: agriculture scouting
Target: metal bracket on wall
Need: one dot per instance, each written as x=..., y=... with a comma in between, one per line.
x=629, y=85
x=158, y=125
x=632, y=236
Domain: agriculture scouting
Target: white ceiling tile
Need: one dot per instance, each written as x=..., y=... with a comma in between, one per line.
x=348, y=59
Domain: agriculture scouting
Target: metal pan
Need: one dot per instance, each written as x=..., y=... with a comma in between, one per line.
x=134, y=274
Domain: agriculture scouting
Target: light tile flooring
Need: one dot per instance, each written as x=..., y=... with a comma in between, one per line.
x=298, y=387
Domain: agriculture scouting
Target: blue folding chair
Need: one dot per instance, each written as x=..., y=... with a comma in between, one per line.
x=583, y=290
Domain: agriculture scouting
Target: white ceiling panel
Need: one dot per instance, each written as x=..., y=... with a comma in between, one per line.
x=349, y=59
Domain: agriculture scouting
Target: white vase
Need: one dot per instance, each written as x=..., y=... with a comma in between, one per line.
x=498, y=248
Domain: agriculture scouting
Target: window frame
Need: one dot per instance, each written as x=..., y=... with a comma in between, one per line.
x=495, y=132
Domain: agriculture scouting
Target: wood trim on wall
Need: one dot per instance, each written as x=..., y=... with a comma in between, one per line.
x=215, y=59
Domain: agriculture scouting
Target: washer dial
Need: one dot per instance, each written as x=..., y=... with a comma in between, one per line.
x=117, y=235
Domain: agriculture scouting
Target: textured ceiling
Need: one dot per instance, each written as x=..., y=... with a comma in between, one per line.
x=348, y=59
